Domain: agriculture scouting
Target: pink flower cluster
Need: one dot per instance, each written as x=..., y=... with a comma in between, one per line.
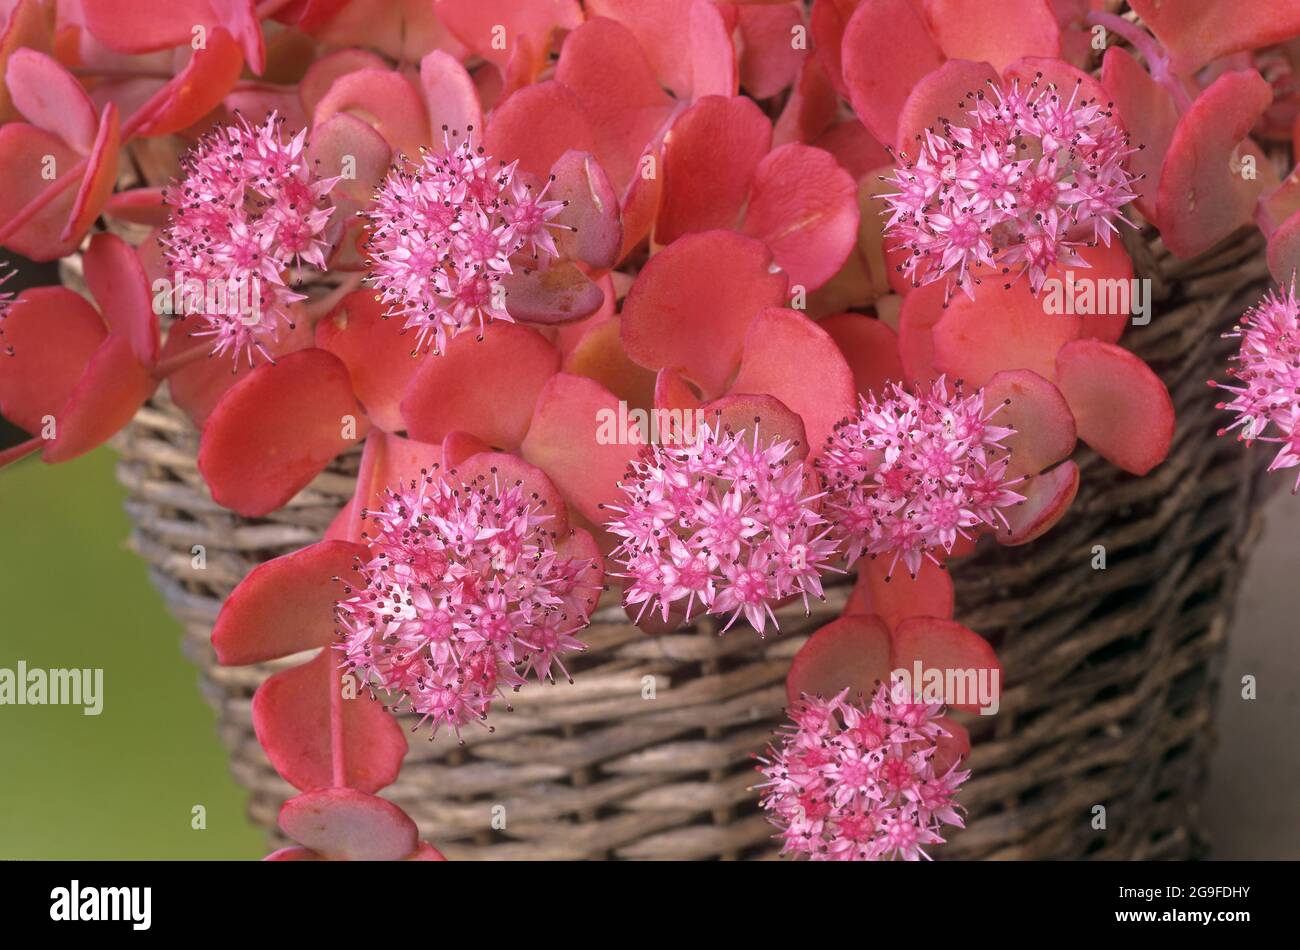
x=853, y=783
x=914, y=471
x=464, y=590
x=1268, y=370
x=443, y=234
x=249, y=207
x=1032, y=177
x=724, y=524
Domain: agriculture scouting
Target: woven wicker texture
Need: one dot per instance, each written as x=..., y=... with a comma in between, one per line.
x=1110, y=675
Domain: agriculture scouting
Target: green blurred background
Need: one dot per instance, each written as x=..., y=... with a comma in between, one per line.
x=122, y=784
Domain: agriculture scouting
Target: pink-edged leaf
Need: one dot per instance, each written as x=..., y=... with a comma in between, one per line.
x=599, y=355
x=258, y=101
x=106, y=397
x=894, y=598
x=827, y=21
x=450, y=95
x=810, y=109
x=387, y=461
x=768, y=60
x=1109, y=281
x=714, y=69
x=967, y=29
x=537, y=125
x=693, y=302
x=100, y=177
x=560, y=293
x=850, y=653
x=604, y=66
x=130, y=27
x=478, y=23
x=792, y=358
x=139, y=206
x=947, y=93
x=50, y=98
x=565, y=441
x=485, y=387
x=1049, y=71
x=1003, y=328
x=343, y=824
x=673, y=392
x=497, y=470
x=27, y=156
x=286, y=605
x=291, y=716
x=20, y=451
x=458, y=446
x=1284, y=250
x=804, y=206
x=1201, y=199
x=376, y=353
x=952, y=748
x=1150, y=116
x=386, y=100
x=568, y=335
x=1278, y=204
x=1121, y=407
x=345, y=143
x=1034, y=407
x=199, y=88
x=320, y=75
x=23, y=25
x=742, y=412
x=277, y=429
x=293, y=854
x=887, y=50
x=946, y=645
x=921, y=310
x=711, y=155
x=117, y=281
x=53, y=334
x=1047, y=498
x=869, y=346
x=641, y=201
x=854, y=148
x=592, y=211
x=403, y=30
x=1198, y=31
x=660, y=28
x=580, y=545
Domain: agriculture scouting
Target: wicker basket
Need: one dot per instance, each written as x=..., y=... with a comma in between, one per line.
x=1110, y=675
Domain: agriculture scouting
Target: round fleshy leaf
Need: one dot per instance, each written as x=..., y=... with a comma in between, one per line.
x=714, y=69
x=139, y=206
x=560, y=293
x=427, y=852
x=199, y=88
x=28, y=155
x=710, y=157
x=599, y=355
x=827, y=21
x=1049, y=71
x=945, y=645
x=386, y=100
x=850, y=653
x=1003, y=328
x=870, y=347
x=1201, y=199
x=286, y=605
x=659, y=28
x=952, y=748
x=478, y=23
x=458, y=446
x=293, y=854
x=887, y=50
x=768, y=60
x=343, y=824
x=810, y=110
x=130, y=27
x=1122, y=408
x=967, y=29
x=387, y=461
x=117, y=281
x=450, y=94
x=792, y=358
x=805, y=207
x=921, y=310
x=322, y=72
x=485, y=387
x=106, y=397
x=50, y=98
x=673, y=392
x=894, y=598
x=592, y=211
x=1047, y=498
x=24, y=25
x=581, y=546
x=1284, y=250
x=574, y=439
x=537, y=125
x=1045, y=432
x=1103, y=293
x=377, y=354
x=742, y=412
x=854, y=148
x=947, y=93
x=54, y=333
x=99, y=180
x=1196, y=33
x=277, y=429
x=693, y=302
x=291, y=716
x=403, y=31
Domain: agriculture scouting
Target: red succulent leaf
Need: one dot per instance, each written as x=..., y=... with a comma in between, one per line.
x=291, y=716
x=210, y=74
x=1051, y=71
x=599, y=355
x=921, y=310
x=106, y=397
x=343, y=824
x=100, y=177
x=605, y=67
x=116, y=279
x=1122, y=408
x=403, y=30
x=693, y=302
x=710, y=157
x=1201, y=199
x=1047, y=498
x=854, y=147
x=386, y=100
x=940, y=95
x=581, y=546
x=943, y=645
x=484, y=387
x=641, y=201
x=478, y=23
x=276, y=429
x=293, y=853
x=965, y=30
x=568, y=335
x=425, y=852
x=769, y=61
x=345, y=143
x=25, y=156
x=804, y=206
x=853, y=652
x=952, y=748
x=564, y=441
x=51, y=98
x=894, y=599
x=741, y=412
x=810, y=110
x=560, y=293
x=322, y=73
x=387, y=461
x=1284, y=250
x=458, y=446
x=714, y=69
x=579, y=180
x=450, y=95
x=673, y=392
x=1198, y=31
x=130, y=27
x=502, y=468
x=286, y=605
x=827, y=21
x=1107, y=267
x=537, y=125
x=25, y=27
x=1004, y=328
x=870, y=348
x=1278, y=204
x=887, y=50
x=1034, y=407
x=781, y=349
x=377, y=355
x=660, y=28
